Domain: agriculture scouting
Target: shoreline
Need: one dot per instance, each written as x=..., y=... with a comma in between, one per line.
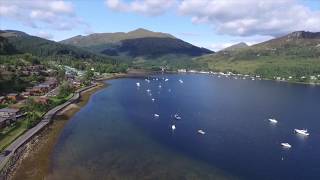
x=34, y=157
x=34, y=160
x=142, y=73
x=35, y=145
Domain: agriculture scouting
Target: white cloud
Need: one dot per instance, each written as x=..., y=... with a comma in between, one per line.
x=252, y=17
x=145, y=7
x=42, y=14
x=45, y=35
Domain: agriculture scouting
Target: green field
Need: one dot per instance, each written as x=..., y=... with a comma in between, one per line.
x=9, y=134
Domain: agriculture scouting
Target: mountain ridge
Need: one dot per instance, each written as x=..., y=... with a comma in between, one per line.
x=95, y=39
x=137, y=43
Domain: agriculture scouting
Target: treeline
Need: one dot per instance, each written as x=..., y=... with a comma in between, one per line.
x=294, y=69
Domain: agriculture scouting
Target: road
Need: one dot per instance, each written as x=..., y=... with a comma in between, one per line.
x=4, y=158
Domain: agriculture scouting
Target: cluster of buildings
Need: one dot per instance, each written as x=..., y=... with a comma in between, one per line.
x=311, y=78
x=37, y=90
x=8, y=116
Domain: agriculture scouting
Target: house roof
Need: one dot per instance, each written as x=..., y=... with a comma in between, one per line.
x=12, y=94
x=9, y=110
x=2, y=119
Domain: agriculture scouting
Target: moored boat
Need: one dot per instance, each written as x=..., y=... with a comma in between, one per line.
x=200, y=131
x=286, y=145
x=272, y=120
x=302, y=132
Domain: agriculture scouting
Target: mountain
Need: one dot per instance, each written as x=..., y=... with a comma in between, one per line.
x=14, y=42
x=6, y=47
x=107, y=38
x=137, y=43
x=234, y=47
x=295, y=54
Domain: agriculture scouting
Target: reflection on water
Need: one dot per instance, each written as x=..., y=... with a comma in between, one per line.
x=116, y=136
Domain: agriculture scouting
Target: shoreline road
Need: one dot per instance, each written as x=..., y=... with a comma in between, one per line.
x=13, y=147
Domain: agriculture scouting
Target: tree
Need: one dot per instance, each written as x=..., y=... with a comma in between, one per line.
x=88, y=77
x=61, y=75
x=64, y=90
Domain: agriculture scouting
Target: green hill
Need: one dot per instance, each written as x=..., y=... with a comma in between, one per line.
x=236, y=47
x=296, y=54
x=137, y=44
x=109, y=38
x=15, y=45
x=16, y=42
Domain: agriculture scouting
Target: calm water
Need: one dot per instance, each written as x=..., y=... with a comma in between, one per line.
x=115, y=136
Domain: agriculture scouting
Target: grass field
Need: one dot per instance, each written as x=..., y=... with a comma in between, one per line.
x=9, y=134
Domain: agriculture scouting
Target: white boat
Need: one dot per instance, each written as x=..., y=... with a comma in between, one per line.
x=200, y=131
x=177, y=117
x=156, y=115
x=180, y=81
x=286, y=145
x=138, y=84
x=147, y=80
x=173, y=127
x=160, y=86
x=166, y=79
x=302, y=132
x=272, y=120
x=153, y=99
x=148, y=90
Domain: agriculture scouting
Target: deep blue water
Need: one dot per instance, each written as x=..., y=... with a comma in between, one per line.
x=115, y=136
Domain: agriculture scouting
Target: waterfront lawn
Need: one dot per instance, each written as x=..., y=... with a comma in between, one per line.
x=35, y=111
x=9, y=134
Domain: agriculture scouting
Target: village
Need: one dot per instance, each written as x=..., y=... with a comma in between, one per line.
x=20, y=111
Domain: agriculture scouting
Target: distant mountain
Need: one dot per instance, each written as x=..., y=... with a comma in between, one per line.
x=300, y=44
x=295, y=54
x=238, y=46
x=19, y=42
x=137, y=43
x=107, y=38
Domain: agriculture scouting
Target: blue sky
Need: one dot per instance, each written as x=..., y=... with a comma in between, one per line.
x=213, y=24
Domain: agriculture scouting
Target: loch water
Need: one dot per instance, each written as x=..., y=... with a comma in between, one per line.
x=117, y=136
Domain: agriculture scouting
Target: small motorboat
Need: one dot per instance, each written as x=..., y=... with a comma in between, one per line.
x=177, y=117
x=160, y=86
x=153, y=99
x=302, y=132
x=286, y=145
x=148, y=90
x=200, y=131
x=138, y=84
x=147, y=80
x=156, y=115
x=180, y=80
x=173, y=127
x=272, y=120
x=166, y=79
